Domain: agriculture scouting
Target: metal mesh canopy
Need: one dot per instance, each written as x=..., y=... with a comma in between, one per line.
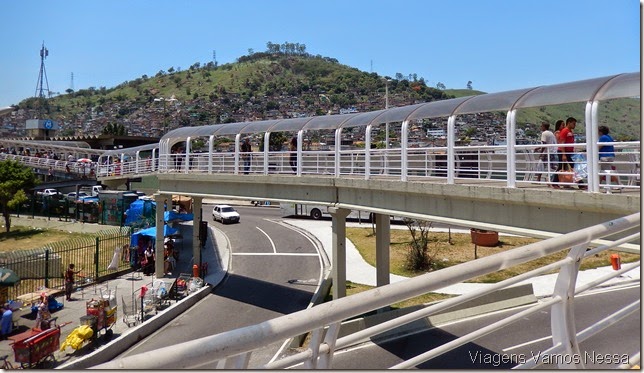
x=327, y=122
x=261, y=126
x=581, y=91
x=59, y=146
x=501, y=101
x=230, y=128
x=130, y=151
x=438, y=109
x=75, y=144
x=615, y=86
x=291, y=125
x=625, y=85
x=362, y=119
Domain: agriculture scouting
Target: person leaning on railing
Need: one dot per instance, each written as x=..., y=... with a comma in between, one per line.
x=607, y=154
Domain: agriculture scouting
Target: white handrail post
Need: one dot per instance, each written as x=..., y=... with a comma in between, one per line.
x=338, y=139
x=367, y=152
x=238, y=361
x=153, y=166
x=330, y=338
x=562, y=323
x=592, y=150
x=300, y=136
x=314, y=345
x=451, y=140
x=510, y=136
x=237, y=140
x=267, y=136
x=136, y=164
x=186, y=166
x=211, y=146
x=404, y=140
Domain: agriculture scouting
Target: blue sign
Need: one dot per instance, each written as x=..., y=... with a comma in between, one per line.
x=48, y=124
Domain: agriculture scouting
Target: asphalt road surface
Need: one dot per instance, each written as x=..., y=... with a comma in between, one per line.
x=503, y=348
x=274, y=271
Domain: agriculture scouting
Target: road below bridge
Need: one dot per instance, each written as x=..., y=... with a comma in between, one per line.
x=506, y=347
x=274, y=271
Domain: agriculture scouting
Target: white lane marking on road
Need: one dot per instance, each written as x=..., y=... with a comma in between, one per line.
x=527, y=343
x=269, y=239
x=319, y=254
x=275, y=254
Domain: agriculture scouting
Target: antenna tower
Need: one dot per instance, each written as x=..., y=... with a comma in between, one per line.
x=214, y=57
x=72, y=84
x=42, y=75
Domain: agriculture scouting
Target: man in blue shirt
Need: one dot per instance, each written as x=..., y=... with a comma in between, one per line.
x=6, y=323
x=606, y=154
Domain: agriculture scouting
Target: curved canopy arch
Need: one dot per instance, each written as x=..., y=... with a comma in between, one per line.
x=615, y=86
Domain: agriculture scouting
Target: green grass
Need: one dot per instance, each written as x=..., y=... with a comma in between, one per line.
x=461, y=250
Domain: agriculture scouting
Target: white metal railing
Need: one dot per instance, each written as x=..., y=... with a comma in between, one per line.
x=486, y=164
x=233, y=349
x=471, y=163
x=480, y=163
x=74, y=169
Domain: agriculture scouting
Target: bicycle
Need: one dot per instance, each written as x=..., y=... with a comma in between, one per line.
x=6, y=364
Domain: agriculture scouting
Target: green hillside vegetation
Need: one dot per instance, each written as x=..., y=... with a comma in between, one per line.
x=463, y=92
x=283, y=81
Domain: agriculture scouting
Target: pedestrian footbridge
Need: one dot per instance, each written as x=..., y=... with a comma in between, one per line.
x=338, y=161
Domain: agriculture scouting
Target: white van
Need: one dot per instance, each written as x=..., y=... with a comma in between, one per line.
x=93, y=190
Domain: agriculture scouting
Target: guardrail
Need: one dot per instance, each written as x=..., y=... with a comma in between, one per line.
x=71, y=169
x=233, y=349
x=486, y=164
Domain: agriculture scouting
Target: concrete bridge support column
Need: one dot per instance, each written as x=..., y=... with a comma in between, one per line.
x=196, y=223
x=160, y=200
x=339, y=260
x=383, y=238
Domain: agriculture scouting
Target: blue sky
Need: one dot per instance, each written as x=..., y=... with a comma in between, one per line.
x=499, y=45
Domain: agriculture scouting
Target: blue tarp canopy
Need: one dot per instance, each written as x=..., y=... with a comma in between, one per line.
x=139, y=209
x=172, y=215
x=88, y=199
x=152, y=233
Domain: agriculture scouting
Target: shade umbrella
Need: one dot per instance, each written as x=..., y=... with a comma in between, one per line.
x=8, y=277
x=84, y=160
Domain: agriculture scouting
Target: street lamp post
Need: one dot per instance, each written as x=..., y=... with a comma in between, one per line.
x=165, y=118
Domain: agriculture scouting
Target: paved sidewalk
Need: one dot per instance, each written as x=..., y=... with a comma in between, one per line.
x=127, y=287
x=362, y=272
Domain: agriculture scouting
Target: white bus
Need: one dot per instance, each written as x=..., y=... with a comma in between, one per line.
x=318, y=211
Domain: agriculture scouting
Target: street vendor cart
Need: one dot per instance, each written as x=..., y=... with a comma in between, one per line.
x=35, y=345
x=101, y=314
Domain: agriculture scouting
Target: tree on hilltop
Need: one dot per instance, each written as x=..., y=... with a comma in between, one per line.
x=15, y=178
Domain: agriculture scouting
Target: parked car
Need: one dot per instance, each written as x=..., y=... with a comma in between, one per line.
x=72, y=197
x=48, y=192
x=225, y=214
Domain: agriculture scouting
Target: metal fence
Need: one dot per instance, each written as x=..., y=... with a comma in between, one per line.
x=45, y=267
x=63, y=209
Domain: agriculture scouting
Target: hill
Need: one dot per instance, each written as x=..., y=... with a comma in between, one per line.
x=256, y=87
x=279, y=83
